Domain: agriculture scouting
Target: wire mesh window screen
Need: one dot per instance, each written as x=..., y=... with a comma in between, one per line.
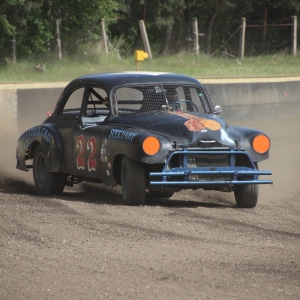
x=160, y=97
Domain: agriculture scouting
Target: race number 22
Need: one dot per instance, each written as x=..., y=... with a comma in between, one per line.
x=91, y=145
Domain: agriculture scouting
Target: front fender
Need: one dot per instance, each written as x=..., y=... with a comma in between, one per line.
x=247, y=136
x=45, y=135
x=129, y=142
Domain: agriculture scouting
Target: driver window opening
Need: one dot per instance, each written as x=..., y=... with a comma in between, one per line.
x=73, y=104
x=97, y=103
x=97, y=106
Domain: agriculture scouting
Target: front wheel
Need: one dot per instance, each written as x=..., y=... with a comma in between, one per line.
x=246, y=195
x=47, y=183
x=133, y=181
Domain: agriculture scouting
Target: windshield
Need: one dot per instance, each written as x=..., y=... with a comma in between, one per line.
x=160, y=97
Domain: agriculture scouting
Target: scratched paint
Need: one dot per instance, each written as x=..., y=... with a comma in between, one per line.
x=195, y=123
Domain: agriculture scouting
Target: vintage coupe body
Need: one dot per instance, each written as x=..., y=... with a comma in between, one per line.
x=144, y=131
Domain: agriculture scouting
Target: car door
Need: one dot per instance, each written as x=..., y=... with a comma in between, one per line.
x=87, y=137
x=67, y=122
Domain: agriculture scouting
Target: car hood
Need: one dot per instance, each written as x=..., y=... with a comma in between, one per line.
x=186, y=129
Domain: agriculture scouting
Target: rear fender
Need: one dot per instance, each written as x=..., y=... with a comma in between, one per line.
x=47, y=136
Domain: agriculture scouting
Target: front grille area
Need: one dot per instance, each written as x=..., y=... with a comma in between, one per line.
x=205, y=178
x=208, y=160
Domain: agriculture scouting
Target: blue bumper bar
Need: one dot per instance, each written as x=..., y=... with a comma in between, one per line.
x=189, y=176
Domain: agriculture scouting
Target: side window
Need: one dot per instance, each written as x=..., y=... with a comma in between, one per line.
x=73, y=104
x=97, y=106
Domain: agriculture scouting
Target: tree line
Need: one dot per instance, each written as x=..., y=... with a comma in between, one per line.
x=33, y=25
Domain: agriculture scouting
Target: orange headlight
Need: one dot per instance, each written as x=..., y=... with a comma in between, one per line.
x=261, y=144
x=151, y=145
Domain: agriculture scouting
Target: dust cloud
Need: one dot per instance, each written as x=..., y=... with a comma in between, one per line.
x=11, y=178
x=284, y=161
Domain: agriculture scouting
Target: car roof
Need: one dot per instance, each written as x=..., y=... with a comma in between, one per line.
x=108, y=81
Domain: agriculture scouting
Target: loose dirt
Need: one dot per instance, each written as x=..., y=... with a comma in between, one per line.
x=197, y=245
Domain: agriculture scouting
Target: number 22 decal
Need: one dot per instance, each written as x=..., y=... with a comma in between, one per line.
x=91, y=145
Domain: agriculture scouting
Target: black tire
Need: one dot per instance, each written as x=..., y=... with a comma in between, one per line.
x=133, y=181
x=47, y=183
x=246, y=195
x=158, y=194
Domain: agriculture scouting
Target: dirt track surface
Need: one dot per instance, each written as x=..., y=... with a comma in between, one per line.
x=197, y=245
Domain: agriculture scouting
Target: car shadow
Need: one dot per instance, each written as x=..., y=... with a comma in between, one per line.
x=92, y=193
x=100, y=194
x=184, y=203
x=17, y=186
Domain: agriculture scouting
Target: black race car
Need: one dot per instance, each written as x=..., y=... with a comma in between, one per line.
x=144, y=131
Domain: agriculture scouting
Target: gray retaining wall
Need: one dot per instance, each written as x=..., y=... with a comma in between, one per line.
x=250, y=101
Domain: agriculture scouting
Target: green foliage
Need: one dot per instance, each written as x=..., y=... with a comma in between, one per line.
x=168, y=24
x=34, y=24
x=6, y=26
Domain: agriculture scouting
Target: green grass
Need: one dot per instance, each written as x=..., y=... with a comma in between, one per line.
x=184, y=63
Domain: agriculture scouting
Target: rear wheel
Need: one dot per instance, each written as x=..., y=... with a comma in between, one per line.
x=47, y=183
x=133, y=181
x=158, y=194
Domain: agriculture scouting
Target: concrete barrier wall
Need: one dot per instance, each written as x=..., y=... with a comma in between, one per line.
x=23, y=106
x=33, y=105
x=250, y=101
x=8, y=112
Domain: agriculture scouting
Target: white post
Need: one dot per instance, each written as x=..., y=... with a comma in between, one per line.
x=196, y=36
x=294, y=36
x=58, y=40
x=104, y=36
x=242, y=38
x=145, y=38
x=14, y=56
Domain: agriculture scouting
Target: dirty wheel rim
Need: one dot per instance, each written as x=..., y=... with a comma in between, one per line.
x=124, y=183
x=41, y=169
